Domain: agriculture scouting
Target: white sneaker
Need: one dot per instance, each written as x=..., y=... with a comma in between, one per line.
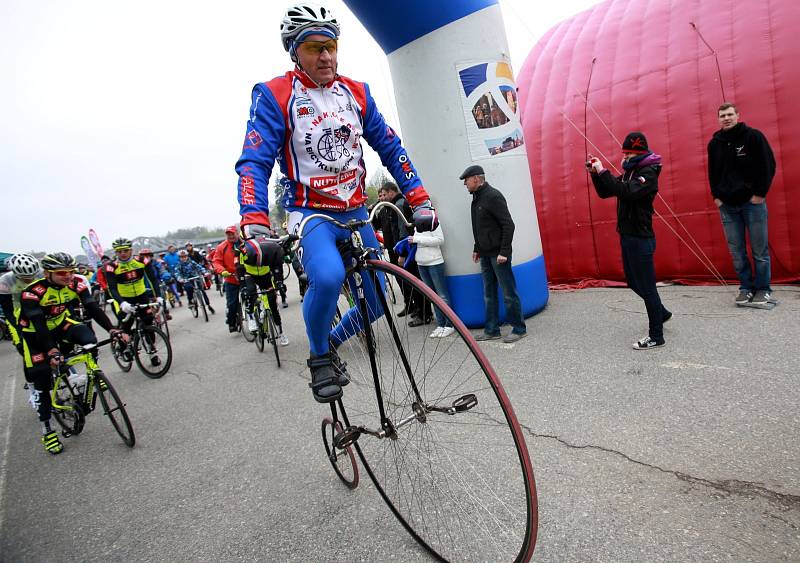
x=446, y=331
x=283, y=340
x=437, y=332
x=252, y=325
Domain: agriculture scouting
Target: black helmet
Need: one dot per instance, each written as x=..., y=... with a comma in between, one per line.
x=122, y=244
x=58, y=261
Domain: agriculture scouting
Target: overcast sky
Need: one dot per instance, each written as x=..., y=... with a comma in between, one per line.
x=128, y=117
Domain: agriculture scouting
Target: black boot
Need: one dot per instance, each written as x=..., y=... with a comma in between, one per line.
x=324, y=380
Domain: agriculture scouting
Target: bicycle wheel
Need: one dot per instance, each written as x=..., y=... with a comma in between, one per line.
x=123, y=355
x=260, y=333
x=71, y=418
x=202, y=302
x=161, y=321
x=249, y=336
x=114, y=408
x=152, y=351
x=287, y=271
x=454, y=469
x=272, y=335
x=343, y=462
x=193, y=306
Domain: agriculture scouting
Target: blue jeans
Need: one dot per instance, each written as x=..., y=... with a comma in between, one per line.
x=640, y=272
x=435, y=278
x=750, y=217
x=493, y=273
x=231, y=302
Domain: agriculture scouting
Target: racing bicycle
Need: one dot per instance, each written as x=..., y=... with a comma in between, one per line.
x=149, y=347
x=74, y=395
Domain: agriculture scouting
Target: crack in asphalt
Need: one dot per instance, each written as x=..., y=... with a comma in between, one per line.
x=731, y=486
x=197, y=375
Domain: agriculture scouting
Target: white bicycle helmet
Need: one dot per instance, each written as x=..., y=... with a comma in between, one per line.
x=24, y=265
x=303, y=16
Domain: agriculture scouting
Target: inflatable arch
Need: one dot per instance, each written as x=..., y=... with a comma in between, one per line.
x=457, y=103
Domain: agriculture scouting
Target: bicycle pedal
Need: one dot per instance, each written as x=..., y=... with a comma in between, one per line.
x=465, y=403
x=346, y=437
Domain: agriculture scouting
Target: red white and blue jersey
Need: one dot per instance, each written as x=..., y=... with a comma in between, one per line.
x=315, y=132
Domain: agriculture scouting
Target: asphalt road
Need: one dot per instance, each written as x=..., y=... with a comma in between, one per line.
x=690, y=452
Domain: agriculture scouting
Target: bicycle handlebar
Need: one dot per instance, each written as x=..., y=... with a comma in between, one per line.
x=351, y=225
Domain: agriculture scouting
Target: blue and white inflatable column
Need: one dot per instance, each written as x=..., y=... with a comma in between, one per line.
x=457, y=103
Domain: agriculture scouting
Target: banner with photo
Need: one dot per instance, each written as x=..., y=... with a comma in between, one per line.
x=489, y=100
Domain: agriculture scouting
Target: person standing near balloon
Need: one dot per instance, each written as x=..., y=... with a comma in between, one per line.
x=741, y=167
x=635, y=190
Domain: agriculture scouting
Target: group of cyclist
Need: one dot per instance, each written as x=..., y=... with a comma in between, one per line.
x=292, y=117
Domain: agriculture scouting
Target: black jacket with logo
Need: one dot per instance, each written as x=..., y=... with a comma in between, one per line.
x=635, y=191
x=492, y=225
x=740, y=164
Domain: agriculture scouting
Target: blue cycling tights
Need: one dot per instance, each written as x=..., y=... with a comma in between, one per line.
x=326, y=270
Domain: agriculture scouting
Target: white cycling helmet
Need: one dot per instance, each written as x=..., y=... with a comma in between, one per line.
x=24, y=265
x=305, y=16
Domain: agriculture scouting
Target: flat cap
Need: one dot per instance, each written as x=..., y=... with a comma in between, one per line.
x=473, y=170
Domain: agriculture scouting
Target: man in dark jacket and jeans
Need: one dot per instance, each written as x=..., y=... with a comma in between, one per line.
x=740, y=170
x=635, y=191
x=493, y=230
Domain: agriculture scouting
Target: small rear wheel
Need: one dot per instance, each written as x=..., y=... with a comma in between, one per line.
x=343, y=461
x=153, y=352
x=114, y=408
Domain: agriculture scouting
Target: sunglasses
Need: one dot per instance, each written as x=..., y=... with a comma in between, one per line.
x=62, y=273
x=316, y=47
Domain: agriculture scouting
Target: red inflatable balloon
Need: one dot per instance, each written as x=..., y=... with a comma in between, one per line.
x=648, y=68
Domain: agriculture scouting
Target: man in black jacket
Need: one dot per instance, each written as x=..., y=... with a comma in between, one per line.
x=635, y=191
x=394, y=230
x=740, y=170
x=493, y=231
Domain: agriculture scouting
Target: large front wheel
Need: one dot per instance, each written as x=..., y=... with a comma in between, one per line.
x=153, y=352
x=452, y=462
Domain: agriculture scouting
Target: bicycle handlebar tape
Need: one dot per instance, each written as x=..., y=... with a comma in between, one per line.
x=457, y=104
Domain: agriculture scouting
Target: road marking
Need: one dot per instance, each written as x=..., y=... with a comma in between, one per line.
x=8, y=391
x=689, y=365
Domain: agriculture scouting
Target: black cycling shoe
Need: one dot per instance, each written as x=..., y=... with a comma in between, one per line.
x=232, y=328
x=339, y=367
x=210, y=308
x=324, y=379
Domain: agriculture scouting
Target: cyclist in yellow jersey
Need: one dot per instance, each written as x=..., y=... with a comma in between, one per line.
x=25, y=270
x=48, y=329
x=128, y=282
x=259, y=260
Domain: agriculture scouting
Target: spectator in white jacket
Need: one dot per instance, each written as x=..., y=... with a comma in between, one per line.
x=430, y=260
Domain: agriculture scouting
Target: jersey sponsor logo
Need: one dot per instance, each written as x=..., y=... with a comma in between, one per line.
x=408, y=170
x=132, y=275
x=253, y=140
x=325, y=182
x=81, y=287
x=30, y=295
x=36, y=358
x=56, y=310
x=305, y=111
x=38, y=289
x=248, y=190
